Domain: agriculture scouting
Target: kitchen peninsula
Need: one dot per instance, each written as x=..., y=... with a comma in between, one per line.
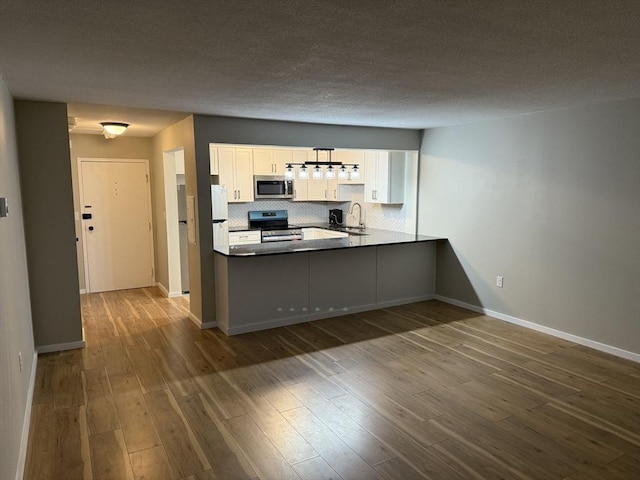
x=269, y=285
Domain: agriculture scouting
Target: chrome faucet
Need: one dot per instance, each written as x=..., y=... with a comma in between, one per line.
x=360, y=222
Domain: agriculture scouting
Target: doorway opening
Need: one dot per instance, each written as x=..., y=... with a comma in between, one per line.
x=176, y=222
x=115, y=207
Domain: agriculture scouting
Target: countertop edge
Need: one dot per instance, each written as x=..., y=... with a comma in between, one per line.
x=385, y=237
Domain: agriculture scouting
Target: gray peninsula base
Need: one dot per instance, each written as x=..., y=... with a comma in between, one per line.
x=259, y=292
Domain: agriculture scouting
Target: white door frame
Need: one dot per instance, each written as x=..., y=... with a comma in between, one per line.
x=81, y=192
x=171, y=223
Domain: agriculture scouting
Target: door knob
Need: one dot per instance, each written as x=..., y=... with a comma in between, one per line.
x=91, y=229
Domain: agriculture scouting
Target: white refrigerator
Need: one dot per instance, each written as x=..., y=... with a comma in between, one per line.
x=220, y=215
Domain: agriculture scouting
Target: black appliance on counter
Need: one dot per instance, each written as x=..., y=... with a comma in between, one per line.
x=335, y=216
x=274, y=225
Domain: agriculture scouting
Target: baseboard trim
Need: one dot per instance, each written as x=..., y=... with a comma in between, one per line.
x=166, y=293
x=83, y=291
x=618, y=352
x=200, y=324
x=404, y=301
x=26, y=424
x=60, y=347
x=310, y=317
x=163, y=290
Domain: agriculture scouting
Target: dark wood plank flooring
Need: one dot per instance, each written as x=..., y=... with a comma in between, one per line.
x=421, y=391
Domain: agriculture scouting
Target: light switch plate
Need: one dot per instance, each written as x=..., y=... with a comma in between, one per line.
x=4, y=207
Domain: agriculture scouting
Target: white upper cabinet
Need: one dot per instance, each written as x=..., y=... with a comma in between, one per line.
x=235, y=170
x=320, y=189
x=213, y=160
x=263, y=161
x=351, y=157
x=281, y=157
x=384, y=177
x=270, y=161
x=300, y=185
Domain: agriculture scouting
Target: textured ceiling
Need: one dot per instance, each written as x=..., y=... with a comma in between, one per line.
x=409, y=63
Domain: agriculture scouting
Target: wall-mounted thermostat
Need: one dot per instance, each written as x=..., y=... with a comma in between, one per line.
x=4, y=208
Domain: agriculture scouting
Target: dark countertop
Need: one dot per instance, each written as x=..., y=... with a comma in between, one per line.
x=241, y=229
x=372, y=237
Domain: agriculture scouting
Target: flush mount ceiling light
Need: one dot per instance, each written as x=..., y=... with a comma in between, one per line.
x=113, y=129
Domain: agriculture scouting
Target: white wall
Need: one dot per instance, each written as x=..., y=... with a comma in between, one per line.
x=552, y=202
x=16, y=333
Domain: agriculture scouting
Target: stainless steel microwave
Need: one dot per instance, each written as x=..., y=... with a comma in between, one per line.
x=270, y=186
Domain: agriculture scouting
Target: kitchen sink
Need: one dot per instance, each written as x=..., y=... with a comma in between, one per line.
x=354, y=231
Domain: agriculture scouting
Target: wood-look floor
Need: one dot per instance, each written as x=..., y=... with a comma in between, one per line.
x=420, y=391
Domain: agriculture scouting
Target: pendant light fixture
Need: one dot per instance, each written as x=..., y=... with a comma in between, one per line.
x=317, y=172
x=317, y=165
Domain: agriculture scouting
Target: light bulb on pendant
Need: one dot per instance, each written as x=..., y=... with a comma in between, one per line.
x=288, y=173
x=342, y=172
x=317, y=172
x=330, y=172
x=303, y=172
x=355, y=173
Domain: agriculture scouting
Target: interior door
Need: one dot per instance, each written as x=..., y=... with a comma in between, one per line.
x=116, y=212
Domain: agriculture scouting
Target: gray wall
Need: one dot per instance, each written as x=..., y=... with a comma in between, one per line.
x=552, y=202
x=212, y=129
x=16, y=333
x=96, y=146
x=45, y=179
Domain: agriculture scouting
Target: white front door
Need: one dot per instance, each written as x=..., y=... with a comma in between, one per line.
x=118, y=241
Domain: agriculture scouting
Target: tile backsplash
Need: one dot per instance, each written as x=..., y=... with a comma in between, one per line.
x=399, y=218
x=299, y=212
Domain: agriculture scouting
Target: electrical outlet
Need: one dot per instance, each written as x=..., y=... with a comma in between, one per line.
x=20, y=361
x=499, y=281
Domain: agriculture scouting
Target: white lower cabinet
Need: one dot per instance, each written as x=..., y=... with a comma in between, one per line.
x=248, y=237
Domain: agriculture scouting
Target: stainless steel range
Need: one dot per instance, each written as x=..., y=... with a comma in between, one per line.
x=274, y=225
